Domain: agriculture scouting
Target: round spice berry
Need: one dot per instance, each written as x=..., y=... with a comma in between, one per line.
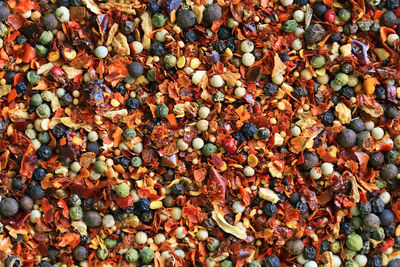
x=310, y=160
x=122, y=189
x=135, y=69
x=185, y=18
x=8, y=207
x=389, y=171
x=212, y=13
x=92, y=219
x=100, y=167
x=354, y=242
x=131, y=255
x=386, y=217
x=272, y=261
x=295, y=246
x=371, y=222
x=50, y=22
x=80, y=253
x=314, y=33
x=347, y=138
x=162, y=111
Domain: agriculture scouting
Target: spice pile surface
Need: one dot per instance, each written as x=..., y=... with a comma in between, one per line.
x=199, y=133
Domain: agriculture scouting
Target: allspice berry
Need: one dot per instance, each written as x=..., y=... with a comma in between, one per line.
x=50, y=22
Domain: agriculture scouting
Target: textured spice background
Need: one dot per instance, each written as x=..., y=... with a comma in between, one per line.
x=199, y=133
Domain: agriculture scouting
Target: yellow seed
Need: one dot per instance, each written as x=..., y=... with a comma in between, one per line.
x=114, y=102
x=181, y=62
x=195, y=63
x=252, y=160
x=228, y=53
x=53, y=56
x=156, y=205
x=76, y=140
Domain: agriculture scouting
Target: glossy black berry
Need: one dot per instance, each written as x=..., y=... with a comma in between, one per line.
x=157, y=48
x=21, y=39
x=347, y=92
x=220, y=46
x=120, y=88
x=270, y=89
x=178, y=190
x=66, y=99
x=249, y=129
x=376, y=160
x=347, y=138
x=347, y=227
x=21, y=88
x=309, y=253
x=36, y=191
x=300, y=91
x=59, y=131
x=132, y=103
x=93, y=147
x=190, y=36
x=239, y=137
x=310, y=160
x=335, y=37
x=365, y=208
x=319, y=10
x=65, y=3
x=224, y=33
x=386, y=217
x=123, y=161
x=272, y=261
x=380, y=92
x=284, y=56
x=141, y=206
x=357, y=125
x=153, y=7
x=39, y=174
x=294, y=198
x=269, y=209
x=302, y=207
x=147, y=217
x=17, y=184
x=327, y=118
x=80, y=253
x=44, y=152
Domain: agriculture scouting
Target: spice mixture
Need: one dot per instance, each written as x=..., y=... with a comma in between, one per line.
x=199, y=133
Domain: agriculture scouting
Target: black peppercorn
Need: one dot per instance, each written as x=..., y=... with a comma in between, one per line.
x=185, y=18
x=212, y=13
x=314, y=33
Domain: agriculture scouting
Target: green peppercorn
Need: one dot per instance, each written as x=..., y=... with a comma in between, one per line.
x=219, y=97
x=212, y=244
x=36, y=100
x=318, y=62
x=289, y=26
x=344, y=14
x=364, y=25
x=354, y=242
x=209, y=149
x=46, y=37
x=351, y=264
x=147, y=254
x=136, y=162
x=232, y=23
x=357, y=222
x=131, y=255
x=226, y=263
x=162, y=111
x=3, y=30
x=169, y=61
x=158, y=20
x=380, y=184
x=378, y=234
x=335, y=247
x=76, y=213
x=102, y=253
x=44, y=137
x=110, y=243
x=43, y=111
x=255, y=263
x=33, y=78
x=122, y=190
x=348, y=254
x=47, y=96
x=100, y=167
x=129, y=134
x=150, y=75
x=341, y=79
x=41, y=50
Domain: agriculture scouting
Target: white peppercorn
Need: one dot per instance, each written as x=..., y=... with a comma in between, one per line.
x=327, y=168
x=202, y=125
x=101, y=51
x=75, y=167
x=240, y=92
x=217, y=81
x=197, y=143
x=248, y=59
x=141, y=237
x=377, y=133
x=247, y=46
x=248, y=171
x=204, y=112
x=202, y=234
x=182, y=145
